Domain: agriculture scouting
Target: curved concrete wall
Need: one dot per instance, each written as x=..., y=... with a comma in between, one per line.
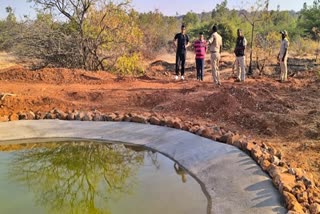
x=233, y=181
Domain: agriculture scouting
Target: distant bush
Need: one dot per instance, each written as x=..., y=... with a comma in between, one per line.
x=129, y=65
x=304, y=46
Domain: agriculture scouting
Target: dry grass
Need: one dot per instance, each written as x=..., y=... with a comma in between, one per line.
x=7, y=60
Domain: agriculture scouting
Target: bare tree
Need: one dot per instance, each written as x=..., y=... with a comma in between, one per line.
x=254, y=16
x=95, y=32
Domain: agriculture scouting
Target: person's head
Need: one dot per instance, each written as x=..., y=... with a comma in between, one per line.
x=239, y=32
x=284, y=34
x=214, y=28
x=183, y=29
x=201, y=37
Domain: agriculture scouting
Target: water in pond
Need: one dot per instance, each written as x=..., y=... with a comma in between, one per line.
x=91, y=177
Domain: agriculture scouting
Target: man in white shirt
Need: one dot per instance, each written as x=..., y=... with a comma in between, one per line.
x=283, y=56
x=215, y=42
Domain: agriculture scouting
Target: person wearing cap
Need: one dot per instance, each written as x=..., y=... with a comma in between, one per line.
x=283, y=56
x=215, y=42
x=239, y=51
x=181, y=42
x=200, y=48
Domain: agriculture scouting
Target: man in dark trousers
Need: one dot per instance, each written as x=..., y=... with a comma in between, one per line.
x=181, y=42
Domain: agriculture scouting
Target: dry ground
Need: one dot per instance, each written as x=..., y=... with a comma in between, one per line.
x=286, y=115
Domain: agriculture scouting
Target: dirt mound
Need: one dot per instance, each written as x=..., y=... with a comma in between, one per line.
x=54, y=76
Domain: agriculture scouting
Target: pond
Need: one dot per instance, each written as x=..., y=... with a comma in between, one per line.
x=95, y=177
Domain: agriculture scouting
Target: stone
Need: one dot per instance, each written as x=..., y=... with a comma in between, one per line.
x=292, y=203
x=50, y=116
x=275, y=160
x=61, y=115
x=110, y=117
x=194, y=129
x=87, y=116
x=292, y=212
x=256, y=153
x=275, y=152
x=274, y=170
x=4, y=118
x=177, y=124
x=224, y=137
x=315, y=208
x=13, y=117
x=169, y=122
x=250, y=146
x=79, y=116
x=71, y=116
x=308, y=180
x=302, y=197
x=31, y=115
x=200, y=130
x=207, y=133
x=299, y=173
x=139, y=119
x=313, y=195
x=40, y=115
x=126, y=118
x=22, y=116
x=233, y=138
x=97, y=117
x=299, y=188
x=285, y=182
x=155, y=120
x=265, y=164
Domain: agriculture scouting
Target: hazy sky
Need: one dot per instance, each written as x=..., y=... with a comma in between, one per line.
x=167, y=7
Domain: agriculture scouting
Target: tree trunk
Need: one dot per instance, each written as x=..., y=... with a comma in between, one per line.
x=250, y=72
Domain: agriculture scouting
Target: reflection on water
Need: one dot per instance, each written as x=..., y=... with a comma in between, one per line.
x=180, y=171
x=90, y=177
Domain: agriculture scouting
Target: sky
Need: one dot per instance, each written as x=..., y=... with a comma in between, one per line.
x=167, y=7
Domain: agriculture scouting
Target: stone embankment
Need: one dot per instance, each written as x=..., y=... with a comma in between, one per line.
x=300, y=190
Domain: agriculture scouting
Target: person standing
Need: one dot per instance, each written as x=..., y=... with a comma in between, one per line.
x=200, y=48
x=215, y=42
x=181, y=42
x=239, y=51
x=283, y=56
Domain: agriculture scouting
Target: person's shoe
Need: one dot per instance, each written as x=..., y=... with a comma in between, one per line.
x=219, y=83
x=176, y=77
x=182, y=77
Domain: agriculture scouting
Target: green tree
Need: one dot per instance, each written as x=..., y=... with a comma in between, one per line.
x=8, y=30
x=310, y=18
x=191, y=19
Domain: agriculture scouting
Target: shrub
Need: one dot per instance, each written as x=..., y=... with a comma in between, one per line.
x=129, y=65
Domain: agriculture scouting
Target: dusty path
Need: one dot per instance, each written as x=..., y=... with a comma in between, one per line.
x=286, y=115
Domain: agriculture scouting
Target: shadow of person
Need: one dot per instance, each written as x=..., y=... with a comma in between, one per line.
x=180, y=171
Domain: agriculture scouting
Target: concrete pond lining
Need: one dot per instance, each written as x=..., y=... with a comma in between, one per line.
x=231, y=180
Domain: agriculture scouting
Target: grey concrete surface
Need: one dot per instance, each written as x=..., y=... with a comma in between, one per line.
x=232, y=181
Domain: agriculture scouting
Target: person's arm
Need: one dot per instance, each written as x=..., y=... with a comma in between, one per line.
x=175, y=41
x=285, y=50
x=245, y=43
x=188, y=43
x=211, y=39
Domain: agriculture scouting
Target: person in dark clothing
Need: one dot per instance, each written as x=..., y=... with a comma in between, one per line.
x=239, y=51
x=181, y=42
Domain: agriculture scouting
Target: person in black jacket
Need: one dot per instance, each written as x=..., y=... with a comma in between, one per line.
x=239, y=51
x=181, y=42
